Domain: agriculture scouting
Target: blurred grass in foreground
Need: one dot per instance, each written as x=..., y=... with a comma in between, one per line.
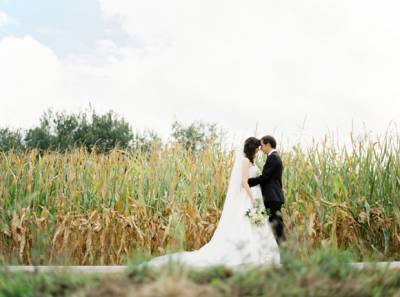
x=324, y=272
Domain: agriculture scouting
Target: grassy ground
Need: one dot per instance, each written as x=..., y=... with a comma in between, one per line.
x=325, y=272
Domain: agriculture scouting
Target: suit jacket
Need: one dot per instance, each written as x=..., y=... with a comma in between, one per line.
x=270, y=180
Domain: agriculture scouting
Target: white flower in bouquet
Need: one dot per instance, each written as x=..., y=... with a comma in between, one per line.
x=257, y=214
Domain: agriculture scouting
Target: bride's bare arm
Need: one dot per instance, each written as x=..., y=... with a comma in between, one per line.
x=245, y=176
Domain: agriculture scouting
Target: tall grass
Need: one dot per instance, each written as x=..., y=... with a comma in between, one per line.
x=97, y=209
x=349, y=196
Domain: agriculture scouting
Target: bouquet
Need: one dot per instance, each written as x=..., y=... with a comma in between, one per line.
x=257, y=214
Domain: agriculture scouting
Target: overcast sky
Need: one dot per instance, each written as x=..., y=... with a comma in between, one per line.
x=294, y=68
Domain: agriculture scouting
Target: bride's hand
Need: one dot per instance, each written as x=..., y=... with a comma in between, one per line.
x=253, y=202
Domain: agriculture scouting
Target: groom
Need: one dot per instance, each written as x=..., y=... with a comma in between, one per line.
x=271, y=185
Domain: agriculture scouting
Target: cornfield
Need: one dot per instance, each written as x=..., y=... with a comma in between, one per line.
x=87, y=208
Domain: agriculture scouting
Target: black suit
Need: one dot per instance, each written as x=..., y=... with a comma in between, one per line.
x=271, y=187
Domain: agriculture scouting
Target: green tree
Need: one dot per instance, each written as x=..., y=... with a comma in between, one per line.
x=196, y=136
x=65, y=128
x=105, y=132
x=66, y=131
x=41, y=137
x=146, y=141
x=11, y=139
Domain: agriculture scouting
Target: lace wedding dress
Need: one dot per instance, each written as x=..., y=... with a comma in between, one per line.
x=236, y=241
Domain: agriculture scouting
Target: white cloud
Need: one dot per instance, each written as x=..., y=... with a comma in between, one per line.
x=34, y=79
x=5, y=19
x=274, y=62
x=29, y=74
x=238, y=63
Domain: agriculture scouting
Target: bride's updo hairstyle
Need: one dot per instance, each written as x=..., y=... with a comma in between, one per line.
x=250, y=146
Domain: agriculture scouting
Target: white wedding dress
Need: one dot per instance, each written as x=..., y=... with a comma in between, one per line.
x=236, y=241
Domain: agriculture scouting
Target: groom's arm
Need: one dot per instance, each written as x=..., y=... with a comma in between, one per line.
x=269, y=169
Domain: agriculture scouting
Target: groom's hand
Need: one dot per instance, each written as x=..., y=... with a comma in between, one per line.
x=252, y=182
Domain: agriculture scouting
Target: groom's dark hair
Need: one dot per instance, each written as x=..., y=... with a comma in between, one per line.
x=269, y=139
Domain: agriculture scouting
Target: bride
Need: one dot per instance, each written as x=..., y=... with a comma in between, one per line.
x=236, y=241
